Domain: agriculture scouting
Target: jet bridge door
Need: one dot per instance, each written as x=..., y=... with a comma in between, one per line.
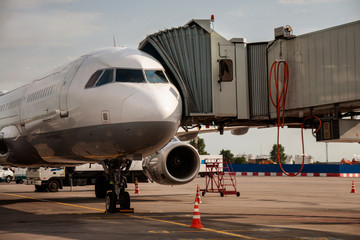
x=224, y=79
x=73, y=68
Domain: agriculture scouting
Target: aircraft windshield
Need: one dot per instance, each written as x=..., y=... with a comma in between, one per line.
x=156, y=76
x=93, y=79
x=105, y=76
x=129, y=75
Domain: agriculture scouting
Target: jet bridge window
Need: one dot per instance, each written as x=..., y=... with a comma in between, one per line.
x=226, y=70
x=130, y=75
x=156, y=76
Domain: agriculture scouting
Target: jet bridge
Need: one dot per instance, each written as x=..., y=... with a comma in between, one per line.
x=209, y=71
x=226, y=82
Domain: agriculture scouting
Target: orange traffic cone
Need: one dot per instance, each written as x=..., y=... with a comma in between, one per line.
x=197, y=198
x=353, y=187
x=196, y=223
x=137, y=191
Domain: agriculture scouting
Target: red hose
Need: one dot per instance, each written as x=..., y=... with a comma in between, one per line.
x=280, y=99
x=280, y=109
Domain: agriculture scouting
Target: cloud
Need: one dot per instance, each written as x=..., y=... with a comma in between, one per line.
x=51, y=28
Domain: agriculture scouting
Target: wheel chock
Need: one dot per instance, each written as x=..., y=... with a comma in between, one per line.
x=121, y=210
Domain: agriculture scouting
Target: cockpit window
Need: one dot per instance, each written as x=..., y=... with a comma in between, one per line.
x=155, y=76
x=93, y=79
x=106, y=77
x=129, y=75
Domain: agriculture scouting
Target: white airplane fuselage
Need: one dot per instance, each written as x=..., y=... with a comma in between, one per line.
x=77, y=114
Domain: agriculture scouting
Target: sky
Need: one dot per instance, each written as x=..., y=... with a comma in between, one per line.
x=37, y=36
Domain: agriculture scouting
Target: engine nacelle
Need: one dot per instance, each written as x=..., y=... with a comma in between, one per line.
x=176, y=163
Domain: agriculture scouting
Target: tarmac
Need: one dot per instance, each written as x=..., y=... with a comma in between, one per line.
x=268, y=208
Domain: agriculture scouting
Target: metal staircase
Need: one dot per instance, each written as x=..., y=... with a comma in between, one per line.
x=220, y=178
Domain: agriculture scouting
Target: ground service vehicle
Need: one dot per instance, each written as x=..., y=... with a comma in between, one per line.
x=19, y=175
x=6, y=175
x=53, y=179
x=204, y=159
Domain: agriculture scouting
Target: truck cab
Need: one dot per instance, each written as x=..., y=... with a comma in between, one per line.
x=44, y=179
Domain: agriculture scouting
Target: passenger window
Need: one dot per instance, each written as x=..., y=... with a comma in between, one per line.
x=129, y=75
x=106, y=77
x=92, y=79
x=155, y=76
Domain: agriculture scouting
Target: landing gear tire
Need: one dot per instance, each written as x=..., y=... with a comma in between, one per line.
x=238, y=194
x=8, y=179
x=101, y=187
x=110, y=202
x=124, y=200
x=221, y=194
x=53, y=186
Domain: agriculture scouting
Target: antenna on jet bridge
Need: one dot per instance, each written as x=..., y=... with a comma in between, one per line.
x=114, y=41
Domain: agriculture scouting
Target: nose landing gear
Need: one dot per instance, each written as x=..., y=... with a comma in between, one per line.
x=115, y=171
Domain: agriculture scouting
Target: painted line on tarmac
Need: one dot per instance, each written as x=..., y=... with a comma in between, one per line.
x=42, y=200
x=186, y=225
x=79, y=206
x=139, y=217
x=21, y=196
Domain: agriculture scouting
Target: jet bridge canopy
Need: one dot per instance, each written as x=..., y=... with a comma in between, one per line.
x=201, y=63
x=185, y=54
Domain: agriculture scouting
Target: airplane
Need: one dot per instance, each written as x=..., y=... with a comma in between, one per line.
x=112, y=106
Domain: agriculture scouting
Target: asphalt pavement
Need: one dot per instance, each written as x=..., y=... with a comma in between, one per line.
x=268, y=208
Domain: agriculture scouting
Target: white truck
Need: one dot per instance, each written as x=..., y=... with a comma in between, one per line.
x=208, y=158
x=6, y=175
x=53, y=179
x=50, y=179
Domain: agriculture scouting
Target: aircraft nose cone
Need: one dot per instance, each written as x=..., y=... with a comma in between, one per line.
x=156, y=104
x=152, y=118
x=168, y=104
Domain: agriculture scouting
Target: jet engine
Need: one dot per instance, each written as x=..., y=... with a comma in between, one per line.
x=176, y=163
